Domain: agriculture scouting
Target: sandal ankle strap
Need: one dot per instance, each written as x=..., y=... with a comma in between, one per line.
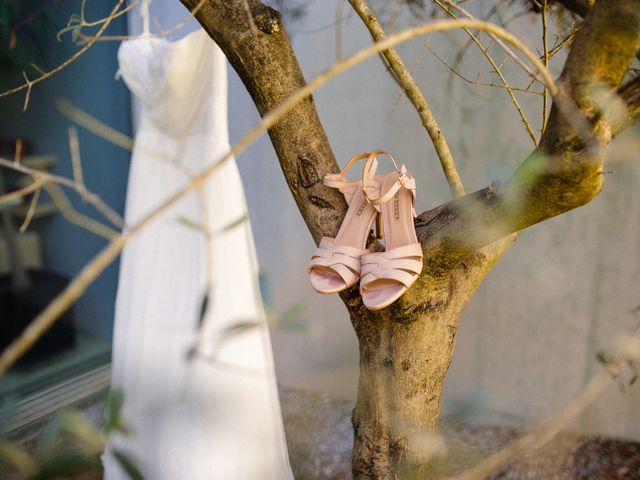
x=348, y=187
x=404, y=180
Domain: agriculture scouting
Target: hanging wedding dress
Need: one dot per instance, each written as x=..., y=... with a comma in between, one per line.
x=200, y=398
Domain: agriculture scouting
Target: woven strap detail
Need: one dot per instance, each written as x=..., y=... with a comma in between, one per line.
x=402, y=264
x=342, y=259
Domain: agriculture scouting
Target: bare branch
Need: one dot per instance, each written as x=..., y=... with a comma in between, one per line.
x=563, y=173
x=545, y=57
x=159, y=34
x=72, y=215
x=498, y=71
x=415, y=96
x=477, y=81
x=86, y=194
x=76, y=162
x=67, y=62
x=28, y=94
x=32, y=187
x=31, y=211
x=499, y=41
x=94, y=125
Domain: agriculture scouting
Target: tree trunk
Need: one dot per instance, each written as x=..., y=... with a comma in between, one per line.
x=405, y=352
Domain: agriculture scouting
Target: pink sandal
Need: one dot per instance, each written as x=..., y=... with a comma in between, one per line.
x=387, y=275
x=335, y=265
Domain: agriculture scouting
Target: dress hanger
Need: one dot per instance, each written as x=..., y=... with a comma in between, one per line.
x=144, y=13
x=146, y=29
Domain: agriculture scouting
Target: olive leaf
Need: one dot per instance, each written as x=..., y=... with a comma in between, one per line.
x=127, y=465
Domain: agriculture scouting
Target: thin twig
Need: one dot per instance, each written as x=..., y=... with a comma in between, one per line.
x=498, y=72
x=338, y=30
x=161, y=33
x=467, y=44
x=499, y=41
x=37, y=69
x=95, y=23
x=100, y=262
x=74, y=149
x=32, y=187
x=86, y=194
x=67, y=62
x=92, y=124
x=546, y=64
x=64, y=205
x=563, y=43
x=28, y=95
x=17, y=154
x=415, y=96
x=564, y=103
x=31, y=211
x=477, y=82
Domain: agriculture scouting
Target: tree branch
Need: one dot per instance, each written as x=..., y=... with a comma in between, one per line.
x=498, y=71
x=266, y=64
x=562, y=174
x=412, y=90
x=581, y=7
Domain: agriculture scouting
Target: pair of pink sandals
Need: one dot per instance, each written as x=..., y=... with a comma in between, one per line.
x=338, y=263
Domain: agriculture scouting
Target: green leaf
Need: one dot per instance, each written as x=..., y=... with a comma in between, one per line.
x=605, y=358
x=239, y=328
x=66, y=463
x=203, y=308
x=290, y=318
x=13, y=456
x=113, y=412
x=187, y=222
x=68, y=28
x=82, y=6
x=127, y=465
x=49, y=436
x=86, y=436
x=234, y=224
x=74, y=19
x=234, y=330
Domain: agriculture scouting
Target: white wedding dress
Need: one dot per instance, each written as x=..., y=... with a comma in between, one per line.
x=200, y=397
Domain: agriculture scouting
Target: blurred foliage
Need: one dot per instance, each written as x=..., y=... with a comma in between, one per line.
x=25, y=27
x=68, y=446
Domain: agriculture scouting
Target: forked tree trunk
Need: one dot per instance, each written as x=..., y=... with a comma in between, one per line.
x=406, y=349
x=405, y=352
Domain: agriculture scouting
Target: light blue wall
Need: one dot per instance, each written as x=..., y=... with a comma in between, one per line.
x=89, y=84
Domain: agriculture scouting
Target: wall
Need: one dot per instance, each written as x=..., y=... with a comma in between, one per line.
x=528, y=339
x=89, y=84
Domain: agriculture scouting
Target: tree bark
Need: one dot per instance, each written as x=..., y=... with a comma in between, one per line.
x=406, y=349
x=405, y=352
x=260, y=52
